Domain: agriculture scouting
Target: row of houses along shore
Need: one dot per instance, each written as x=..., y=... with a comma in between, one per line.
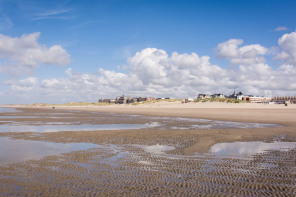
x=127, y=99
x=240, y=96
x=252, y=99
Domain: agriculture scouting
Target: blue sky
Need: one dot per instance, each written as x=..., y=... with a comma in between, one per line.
x=98, y=49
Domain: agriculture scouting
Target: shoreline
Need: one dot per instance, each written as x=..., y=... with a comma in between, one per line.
x=242, y=112
x=125, y=159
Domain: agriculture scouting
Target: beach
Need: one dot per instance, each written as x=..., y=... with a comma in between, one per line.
x=161, y=148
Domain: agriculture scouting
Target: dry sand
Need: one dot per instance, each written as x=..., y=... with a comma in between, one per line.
x=188, y=170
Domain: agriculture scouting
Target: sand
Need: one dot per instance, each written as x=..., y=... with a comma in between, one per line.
x=124, y=167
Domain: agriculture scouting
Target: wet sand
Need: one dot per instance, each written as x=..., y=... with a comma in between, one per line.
x=156, y=161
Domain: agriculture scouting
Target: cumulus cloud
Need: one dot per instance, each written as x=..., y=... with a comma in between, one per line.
x=252, y=74
x=154, y=72
x=22, y=54
x=288, y=45
x=23, y=85
x=155, y=67
x=249, y=54
x=50, y=83
x=150, y=65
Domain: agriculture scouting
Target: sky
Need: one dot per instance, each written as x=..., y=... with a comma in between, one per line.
x=63, y=51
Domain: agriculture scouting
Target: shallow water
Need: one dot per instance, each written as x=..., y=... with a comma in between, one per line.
x=212, y=124
x=250, y=148
x=17, y=117
x=8, y=110
x=157, y=149
x=220, y=150
x=66, y=127
x=129, y=165
x=15, y=151
x=80, y=122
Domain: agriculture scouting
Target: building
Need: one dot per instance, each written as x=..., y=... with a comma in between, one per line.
x=106, y=100
x=187, y=100
x=139, y=99
x=150, y=99
x=218, y=96
x=125, y=100
x=203, y=96
x=284, y=99
x=257, y=99
x=239, y=95
x=166, y=98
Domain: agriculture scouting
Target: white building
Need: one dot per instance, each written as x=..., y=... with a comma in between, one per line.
x=218, y=96
x=259, y=99
x=203, y=96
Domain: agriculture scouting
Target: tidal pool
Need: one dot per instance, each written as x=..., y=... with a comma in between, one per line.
x=16, y=117
x=18, y=150
x=8, y=110
x=79, y=121
x=157, y=149
x=67, y=127
x=250, y=148
x=197, y=123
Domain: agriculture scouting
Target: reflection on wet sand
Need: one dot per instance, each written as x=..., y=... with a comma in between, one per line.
x=55, y=121
x=64, y=127
x=17, y=150
x=250, y=148
x=6, y=110
x=172, y=157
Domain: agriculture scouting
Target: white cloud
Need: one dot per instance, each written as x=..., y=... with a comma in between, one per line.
x=112, y=78
x=54, y=12
x=58, y=13
x=229, y=49
x=288, y=45
x=281, y=28
x=154, y=67
x=150, y=65
x=249, y=54
x=23, y=85
x=22, y=54
x=50, y=83
x=55, y=55
x=153, y=72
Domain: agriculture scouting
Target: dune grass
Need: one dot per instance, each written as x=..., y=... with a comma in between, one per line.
x=86, y=104
x=223, y=100
x=157, y=101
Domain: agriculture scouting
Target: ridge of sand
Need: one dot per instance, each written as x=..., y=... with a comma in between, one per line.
x=245, y=112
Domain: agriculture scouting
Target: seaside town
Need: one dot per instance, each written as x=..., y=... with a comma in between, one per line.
x=170, y=98
x=238, y=96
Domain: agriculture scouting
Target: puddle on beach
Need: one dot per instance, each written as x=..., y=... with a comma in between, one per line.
x=17, y=117
x=250, y=148
x=8, y=110
x=239, y=149
x=78, y=121
x=243, y=153
x=17, y=150
x=157, y=149
x=130, y=166
x=233, y=148
x=214, y=124
x=66, y=127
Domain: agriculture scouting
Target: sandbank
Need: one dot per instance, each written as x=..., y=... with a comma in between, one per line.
x=188, y=169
